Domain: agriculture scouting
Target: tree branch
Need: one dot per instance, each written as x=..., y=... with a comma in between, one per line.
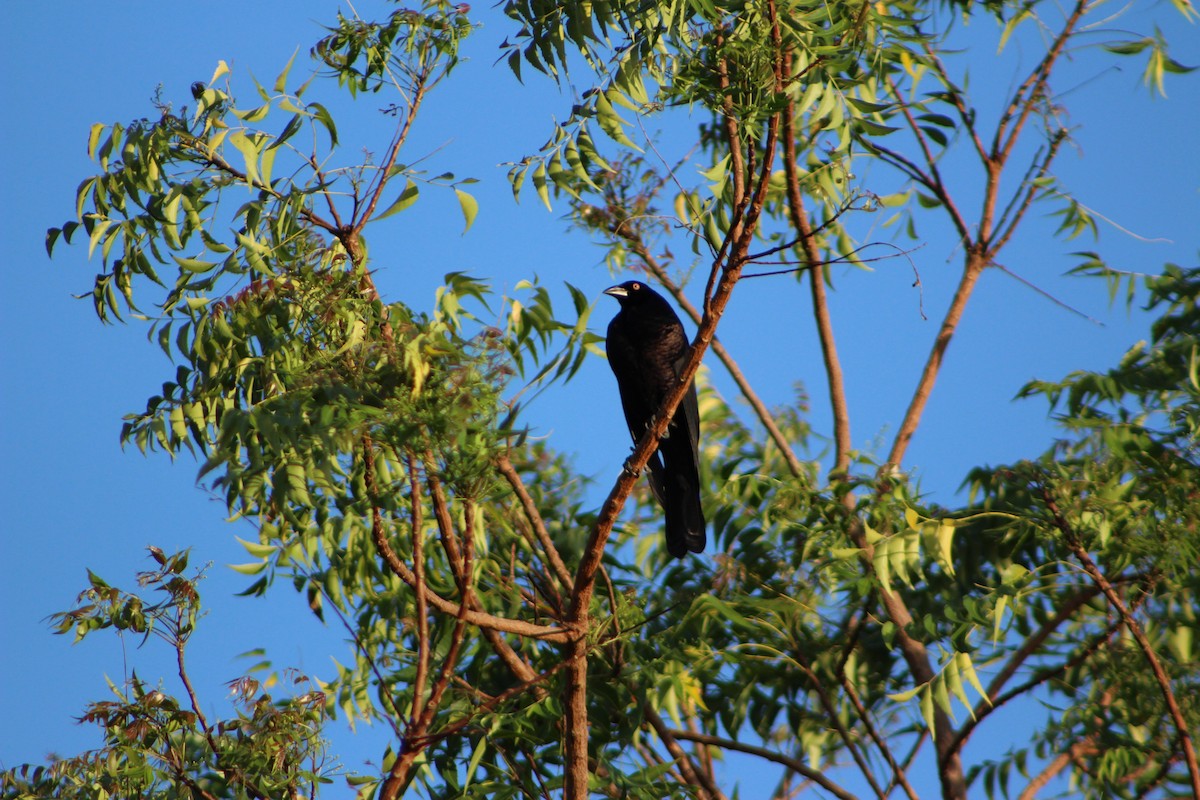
x=795, y=765
x=1006, y=226
x=1060, y=762
x=976, y=261
x=731, y=366
x=835, y=722
x=401, y=570
x=983, y=709
x=934, y=178
x=575, y=719
x=393, y=151
x=833, y=367
x=1026, y=95
x=535, y=520
x=707, y=790
x=417, y=522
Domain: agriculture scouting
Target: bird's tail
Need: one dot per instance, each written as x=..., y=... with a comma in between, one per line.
x=685, y=518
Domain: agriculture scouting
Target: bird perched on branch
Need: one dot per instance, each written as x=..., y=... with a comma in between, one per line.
x=647, y=350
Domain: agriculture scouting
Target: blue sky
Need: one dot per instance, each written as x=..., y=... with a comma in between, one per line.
x=73, y=500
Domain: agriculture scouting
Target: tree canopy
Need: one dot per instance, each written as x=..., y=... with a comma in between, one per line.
x=523, y=636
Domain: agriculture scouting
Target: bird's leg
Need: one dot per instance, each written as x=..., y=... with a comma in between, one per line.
x=628, y=470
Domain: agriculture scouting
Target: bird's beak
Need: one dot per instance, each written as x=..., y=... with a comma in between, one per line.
x=616, y=291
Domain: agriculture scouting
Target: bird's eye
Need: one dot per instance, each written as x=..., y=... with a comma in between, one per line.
x=636, y=287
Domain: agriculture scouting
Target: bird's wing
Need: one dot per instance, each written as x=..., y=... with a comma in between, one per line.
x=689, y=405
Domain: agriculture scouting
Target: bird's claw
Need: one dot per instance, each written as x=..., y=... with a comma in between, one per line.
x=654, y=422
x=628, y=470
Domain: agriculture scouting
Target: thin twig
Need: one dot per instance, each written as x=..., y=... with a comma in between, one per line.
x=417, y=523
x=707, y=790
x=834, y=378
x=1046, y=294
x=1020, y=202
x=933, y=363
x=794, y=764
x=535, y=520
x=402, y=571
x=731, y=366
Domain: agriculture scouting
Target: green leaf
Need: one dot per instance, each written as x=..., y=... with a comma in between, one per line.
x=253, y=115
x=193, y=265
x=323, y=116
x=1129, y=48
x=469, y=205
x=868, y=107
x=249, y=150
x=883, y=564
x=404, y=201
x=253, y=568
x=955, y=684
x=967, y=667
x=1011, y=25
x=221, y=70
x=539, y=183
x=611, y=122
x=280, y=84
x=294, y=124
x=94, y=138
x=905, y=696
x=52, y=235
x=258, y=550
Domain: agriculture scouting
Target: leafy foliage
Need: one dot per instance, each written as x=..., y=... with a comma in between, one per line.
x=520, y=641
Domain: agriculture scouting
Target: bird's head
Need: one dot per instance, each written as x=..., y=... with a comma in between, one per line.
x=632, y=293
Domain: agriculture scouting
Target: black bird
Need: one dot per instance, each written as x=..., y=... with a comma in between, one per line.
x=647, y=350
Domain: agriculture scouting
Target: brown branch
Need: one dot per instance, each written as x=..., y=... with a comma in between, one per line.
x=997, y=701
x=445, y=674
x=1060, y=762
x=493, y=635
x=916, y=656
x=1031, y=645
x=703, y=752
x=417, y=522
x=415, y=741
x=1026, y=95
x=968, y=119
x=976, y=261
x=835, y=722
x=833, y=366
x=575, y=719
x=723, y=276
x=751, y=397
x=981, y=248
x=1004, y=225
x=402, y=571
x=706, y=788
x=794, y=764
x=212, y=159
x=401, y=772
x=492, y=702
x=401, y=136
x=191, y=693
x=729, y=272
x=446, y=533
x=934, y=182
x=235, y=776
x=535, y=519
x=899, y=776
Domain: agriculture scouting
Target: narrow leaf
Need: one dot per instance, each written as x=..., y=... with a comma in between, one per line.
x=470, y=207
x=406, y=199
